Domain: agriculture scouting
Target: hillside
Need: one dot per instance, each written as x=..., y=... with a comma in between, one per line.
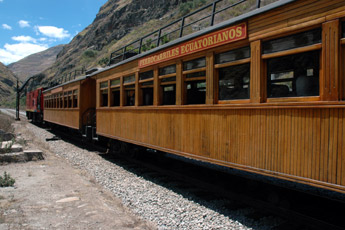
x=120, y=22
x=117, y=23
x=35, y=63
x=8, y=84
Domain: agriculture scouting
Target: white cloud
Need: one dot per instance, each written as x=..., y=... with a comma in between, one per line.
x=53, y=32
x=14, y=52
x=24, y=39
x=23, y=23
x=6, y=27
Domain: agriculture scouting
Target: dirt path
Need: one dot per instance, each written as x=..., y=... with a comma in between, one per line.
x=50, y=194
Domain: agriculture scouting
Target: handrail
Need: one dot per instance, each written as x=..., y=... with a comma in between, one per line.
x=67, y=77
x=125, y=52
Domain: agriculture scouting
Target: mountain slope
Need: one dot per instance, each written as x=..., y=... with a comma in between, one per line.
x=35, y=63
x=115, y=20
x=8, y=83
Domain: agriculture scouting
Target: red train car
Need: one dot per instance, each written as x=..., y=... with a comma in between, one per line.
x=34, y=105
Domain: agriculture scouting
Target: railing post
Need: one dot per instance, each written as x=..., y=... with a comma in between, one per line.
x=182, y=25
x=213, y=11
x=124, y=52
x=140, y=45
x=258, y=3
x=159, y=36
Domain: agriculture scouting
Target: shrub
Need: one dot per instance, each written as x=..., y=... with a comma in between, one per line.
x=7, y=180
x=104, y=61
x=90, y=53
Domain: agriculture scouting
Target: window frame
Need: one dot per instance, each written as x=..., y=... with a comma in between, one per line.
x=299, y=50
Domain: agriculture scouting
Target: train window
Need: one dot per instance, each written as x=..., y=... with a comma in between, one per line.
x=343, y=29
x=233, y=82
x=60, y=100
x=293, y=41
x=130, y=95
x=293, y=75
x=167, y=70
x=104, y=85
x=129, y=79
x=70, y=99
x=104, y=98
x=146, y=87
x=169, y=94
x=146, y=75
x=104, y=94
x=233, y=55
x=167, y=76
x=195, y=81
x=115, y=97
x=147, y=92
x=115, y=82
x=55, y=100
x=194, y=64
x=75, y=98
x=115, y=92
x=196, y=92
x=65, y=104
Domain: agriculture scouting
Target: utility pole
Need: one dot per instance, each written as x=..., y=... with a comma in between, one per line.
x=17, y=102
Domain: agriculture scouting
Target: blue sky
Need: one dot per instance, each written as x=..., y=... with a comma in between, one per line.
x=31, y=26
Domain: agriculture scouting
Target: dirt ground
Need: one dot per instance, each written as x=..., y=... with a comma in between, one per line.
x=50, y=194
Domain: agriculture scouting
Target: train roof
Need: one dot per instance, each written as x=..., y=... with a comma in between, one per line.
x=187, y=38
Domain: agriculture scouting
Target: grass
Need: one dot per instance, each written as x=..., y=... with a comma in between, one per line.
x=6, y=180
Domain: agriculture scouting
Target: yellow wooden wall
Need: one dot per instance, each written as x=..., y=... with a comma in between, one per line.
x=65, y=117
x=303, y=144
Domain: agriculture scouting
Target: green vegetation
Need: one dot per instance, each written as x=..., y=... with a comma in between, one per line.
x=148, y=45
x=104, y=61
x=188, y=6
x=90, y=53
x=7, y=180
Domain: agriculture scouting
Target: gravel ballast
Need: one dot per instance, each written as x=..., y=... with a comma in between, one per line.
x=150, y=201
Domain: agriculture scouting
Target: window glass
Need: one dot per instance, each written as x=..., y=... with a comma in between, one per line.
x=147, y=96
x=234, y=82
x=104, y=84
x=104, y=97
x=65, y=100
x=169, y=94
x=148, y=83
x=167, y=70
x=194, y=64
x=294, y=41
x=115, y=82
x=293, y=75
x=197, y=74
x=130, y=97
x=129, y=79
x=343, y=30
x=75, y=98
x=146, y=75
x=115, y=97
x=233, y=55
x=168, y=79
x=196, y=92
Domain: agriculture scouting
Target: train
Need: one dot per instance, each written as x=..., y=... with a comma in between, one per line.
x=261, y=93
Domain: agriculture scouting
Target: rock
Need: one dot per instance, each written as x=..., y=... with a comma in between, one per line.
x=6, y=136
x=34, y=155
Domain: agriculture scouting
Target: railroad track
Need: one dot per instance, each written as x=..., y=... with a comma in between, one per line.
x=295, y=210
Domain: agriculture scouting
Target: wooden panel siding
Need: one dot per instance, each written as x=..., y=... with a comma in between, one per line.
x=292, y=17
x=301, y=144
x=66, y=117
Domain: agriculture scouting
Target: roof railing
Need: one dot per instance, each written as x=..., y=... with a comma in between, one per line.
x=159, y=37
x=67, y=77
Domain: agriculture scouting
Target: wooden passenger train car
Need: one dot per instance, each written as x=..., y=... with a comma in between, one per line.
x=71, y=104
x=263, y=92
